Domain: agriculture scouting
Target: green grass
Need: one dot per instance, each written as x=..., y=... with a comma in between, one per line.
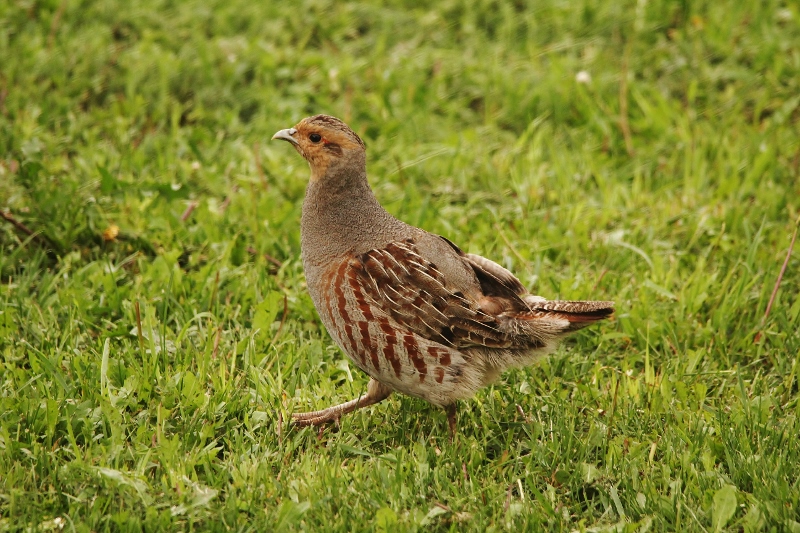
x=669, y=184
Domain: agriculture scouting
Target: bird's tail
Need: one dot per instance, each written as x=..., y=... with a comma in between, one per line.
x=579, y=314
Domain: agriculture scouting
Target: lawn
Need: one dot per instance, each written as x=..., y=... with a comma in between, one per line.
x=155, y=330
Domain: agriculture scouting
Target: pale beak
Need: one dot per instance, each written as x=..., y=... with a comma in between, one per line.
x=286, y=135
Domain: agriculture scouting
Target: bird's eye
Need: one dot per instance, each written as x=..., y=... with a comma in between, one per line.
x=315, y=137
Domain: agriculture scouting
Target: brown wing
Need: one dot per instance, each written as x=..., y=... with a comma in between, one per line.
x=413, y=292
x=402, y=320
x=501, y=284
x=495, y=280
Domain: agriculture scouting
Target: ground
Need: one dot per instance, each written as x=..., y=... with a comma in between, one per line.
x=156, y=334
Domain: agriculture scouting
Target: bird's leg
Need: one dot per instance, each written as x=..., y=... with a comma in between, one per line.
x=376, y=392
x=451, y=419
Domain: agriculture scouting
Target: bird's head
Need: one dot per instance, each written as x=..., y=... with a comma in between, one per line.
x=326, y=143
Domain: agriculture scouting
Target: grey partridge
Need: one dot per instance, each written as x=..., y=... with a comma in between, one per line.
x=408, y=307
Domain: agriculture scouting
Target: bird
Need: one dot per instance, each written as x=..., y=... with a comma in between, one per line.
x=409, y=308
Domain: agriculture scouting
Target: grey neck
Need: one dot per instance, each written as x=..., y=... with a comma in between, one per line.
x=341, y=215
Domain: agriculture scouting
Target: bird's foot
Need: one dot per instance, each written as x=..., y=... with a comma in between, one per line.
x=451, y=420
x=317, y=418
x=376, y=392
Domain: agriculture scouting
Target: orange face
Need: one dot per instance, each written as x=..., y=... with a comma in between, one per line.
x=322, y=140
